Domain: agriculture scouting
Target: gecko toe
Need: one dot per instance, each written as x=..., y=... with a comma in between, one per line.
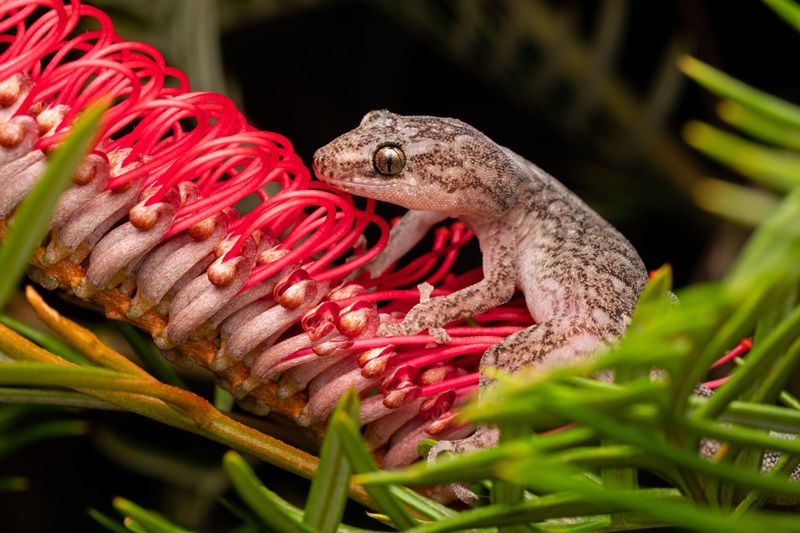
x=440, y=335
x=457, y=490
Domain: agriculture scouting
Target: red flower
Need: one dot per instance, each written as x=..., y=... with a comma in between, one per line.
x=152, y=229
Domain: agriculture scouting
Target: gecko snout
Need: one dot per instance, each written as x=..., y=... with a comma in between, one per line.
x=318, y=163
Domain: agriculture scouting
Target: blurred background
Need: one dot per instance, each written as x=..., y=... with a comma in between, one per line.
x=587, y=89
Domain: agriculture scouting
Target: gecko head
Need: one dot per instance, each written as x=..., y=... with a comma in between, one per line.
x=420, y=162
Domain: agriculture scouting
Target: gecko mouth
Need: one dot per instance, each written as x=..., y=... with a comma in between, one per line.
x=353, y=185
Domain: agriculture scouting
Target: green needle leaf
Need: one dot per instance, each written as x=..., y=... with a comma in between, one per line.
x=775, y=168
x=758, y=126
x=507, y=492
x=147, y=520
x=760, y=358
x=774, y=249
x=328, y=493
x=263, y=502
x=788, y=11
x=732, y=89
x=33, y=216
x=46, y=341
x=343, y=422
x=107, y=522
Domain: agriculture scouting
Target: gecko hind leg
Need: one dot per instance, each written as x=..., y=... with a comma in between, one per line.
x=547, y=344
x=550, y=344
x=485, y=436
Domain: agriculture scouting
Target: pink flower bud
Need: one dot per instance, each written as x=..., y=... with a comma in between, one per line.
x=438, y=372
x=320, y=320
x=221, y=273
x=442, y=425
x=205, y=228
x=12, y=88
x=433, y=407
x=400, y=397
x=87, y=170
x=334, y=347
x=400, y=387
x=143, y=216
x=292, y=290
x=375, y=362
x=50, y=118
x=358, y=319
x=349, y=289
x=270, y=255
x=16, y=130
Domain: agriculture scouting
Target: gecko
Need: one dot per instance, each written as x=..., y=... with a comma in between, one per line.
x=581, y=278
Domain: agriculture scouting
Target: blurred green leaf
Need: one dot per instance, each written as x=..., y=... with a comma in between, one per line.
x=727, y=87
x=328, y=493
x=33, y=216
x=43, y=374
x=658, y=504
x=425, y=506
x=223, y=400
x=476, y=466
x=587, y=515
x=29, y=396
x=772, y=251
x=756, y=498
x=761, y=357
x=775, y=379
x=269, y=507
x=743, y=205
x=758, y=126
x=787, y=9
x=148, y=520
x=107, y=522
x=48, y=342
x=775, y=168
x=506, y=492
x=361, y=461
x=136, y=527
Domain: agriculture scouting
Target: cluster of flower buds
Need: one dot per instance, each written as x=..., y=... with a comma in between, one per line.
x=271, y=298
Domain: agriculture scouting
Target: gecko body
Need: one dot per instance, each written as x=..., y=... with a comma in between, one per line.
x=581, y=278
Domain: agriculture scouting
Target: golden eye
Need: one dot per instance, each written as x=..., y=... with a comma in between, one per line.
x=389, y=160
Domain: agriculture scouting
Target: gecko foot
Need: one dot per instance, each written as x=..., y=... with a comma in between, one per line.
x=459, y=490
x=484, y=437
x=440, y=335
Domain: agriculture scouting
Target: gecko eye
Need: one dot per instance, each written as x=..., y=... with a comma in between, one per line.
x=389, y=160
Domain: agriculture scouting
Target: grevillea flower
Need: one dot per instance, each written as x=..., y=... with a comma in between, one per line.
x=272, y=300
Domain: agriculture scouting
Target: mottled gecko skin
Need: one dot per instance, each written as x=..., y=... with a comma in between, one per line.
x=581, y=278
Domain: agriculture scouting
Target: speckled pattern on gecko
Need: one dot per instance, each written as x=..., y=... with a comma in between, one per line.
x=581, y=278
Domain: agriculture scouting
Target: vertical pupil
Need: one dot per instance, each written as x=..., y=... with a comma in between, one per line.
x=388, y=157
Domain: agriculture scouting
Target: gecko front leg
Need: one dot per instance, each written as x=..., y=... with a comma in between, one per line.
x=497, y=287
